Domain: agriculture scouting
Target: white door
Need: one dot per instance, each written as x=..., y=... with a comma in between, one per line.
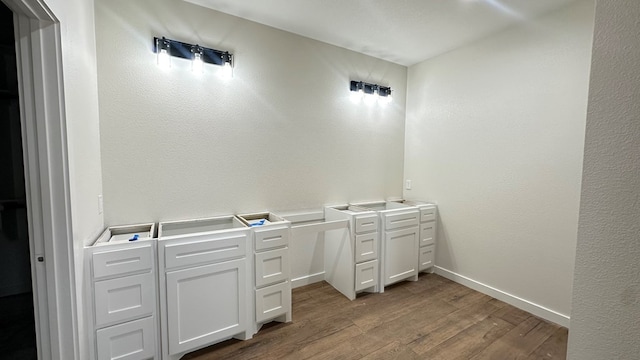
x=401, y=254
x=205, y=304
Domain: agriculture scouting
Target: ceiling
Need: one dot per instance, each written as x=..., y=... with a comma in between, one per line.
x=401, y=31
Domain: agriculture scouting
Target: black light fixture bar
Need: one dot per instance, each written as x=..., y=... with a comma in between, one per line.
x=368, y=88
x=187, y=51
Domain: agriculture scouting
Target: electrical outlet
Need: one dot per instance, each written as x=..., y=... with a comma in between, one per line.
x=408, y=185
x=100, y=204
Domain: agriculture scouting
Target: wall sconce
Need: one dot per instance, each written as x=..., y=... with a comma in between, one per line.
x=370, y=93
x=199, y=55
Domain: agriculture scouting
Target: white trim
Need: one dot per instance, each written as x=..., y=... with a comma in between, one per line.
x=39, y=61
x=510, y=299
x=307, y=279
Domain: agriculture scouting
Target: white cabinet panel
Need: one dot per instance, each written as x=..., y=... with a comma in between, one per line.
x=400, y=220
x=401, y=256
x=366, y=275
x=205, y=304
x=366, y=247
x=198, y=249
x=124, y=298
x=426, y=257
x=269, y=237
x=428, y=213
x=273, y=301
x=122, y=261
x=134, y=340
x=427, y=233
x=272, y=266
x=366, y=223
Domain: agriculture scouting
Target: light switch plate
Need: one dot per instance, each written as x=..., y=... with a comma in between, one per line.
x=408, y=185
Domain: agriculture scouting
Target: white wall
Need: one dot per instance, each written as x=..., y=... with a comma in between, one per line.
x=282, y=134
x=494, y=135
x=606, y=289
x=77, y=33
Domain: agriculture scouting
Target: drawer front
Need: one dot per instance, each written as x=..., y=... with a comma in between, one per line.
x=366, y=275
x=366, y=223
x=269, y=238
x=427, y=233
x=124, y=298
x=122, y=261
x=401, y=220
x=428, y=213
x=134, y=340
x=272, y=266
x=273, y=301
x=204, y=249
x=366, y=247
x=426, y=257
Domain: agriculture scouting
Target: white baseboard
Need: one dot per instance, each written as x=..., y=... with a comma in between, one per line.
x=520, y=303
x=307, y=279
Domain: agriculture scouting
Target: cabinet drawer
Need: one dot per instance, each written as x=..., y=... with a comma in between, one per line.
x=272, y=301
x=366, y=275
x=428, y=213
x=427, y=233
x=122, y=261
x=426, y=257
x=366, y=247
x=134, y=340
x=269, y=238
x=401, y=220
x=366, y=223
x=272, y=266
x=124, y=298
x=200, y=249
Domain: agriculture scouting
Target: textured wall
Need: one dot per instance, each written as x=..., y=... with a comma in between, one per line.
x=605, y=320
x=495, y=135
x=282, y=134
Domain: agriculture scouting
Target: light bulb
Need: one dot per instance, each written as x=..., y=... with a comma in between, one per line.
x=164, y=60
x=369, y=99
x=226, y=71
x=356, y=96
x=197, y=64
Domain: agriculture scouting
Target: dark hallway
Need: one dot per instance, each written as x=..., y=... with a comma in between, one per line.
x=17, y=332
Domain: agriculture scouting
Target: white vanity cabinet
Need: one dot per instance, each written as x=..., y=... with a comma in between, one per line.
x=120, y=293
x=204, y=283
x=271, y=270
x=351, y=253
x=428, y=232
x=399, y=233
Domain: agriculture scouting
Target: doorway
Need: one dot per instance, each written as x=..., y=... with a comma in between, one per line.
x=17, y=323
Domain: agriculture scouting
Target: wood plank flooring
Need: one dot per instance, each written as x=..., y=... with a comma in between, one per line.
x=432, y=318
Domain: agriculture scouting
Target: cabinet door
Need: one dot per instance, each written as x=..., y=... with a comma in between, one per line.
x=134, y=340
x=401, y=254
x=272, y=267
x=205, y=304
x=366, y=247
x=426, y=257
x=427, y=233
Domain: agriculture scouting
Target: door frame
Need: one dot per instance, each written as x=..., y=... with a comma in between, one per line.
x=44, y=142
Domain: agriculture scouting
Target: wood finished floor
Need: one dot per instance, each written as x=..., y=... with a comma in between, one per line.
x=433, y=318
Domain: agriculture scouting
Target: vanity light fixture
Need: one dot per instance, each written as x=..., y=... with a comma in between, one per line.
x=370, y=93
x=199, y=55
